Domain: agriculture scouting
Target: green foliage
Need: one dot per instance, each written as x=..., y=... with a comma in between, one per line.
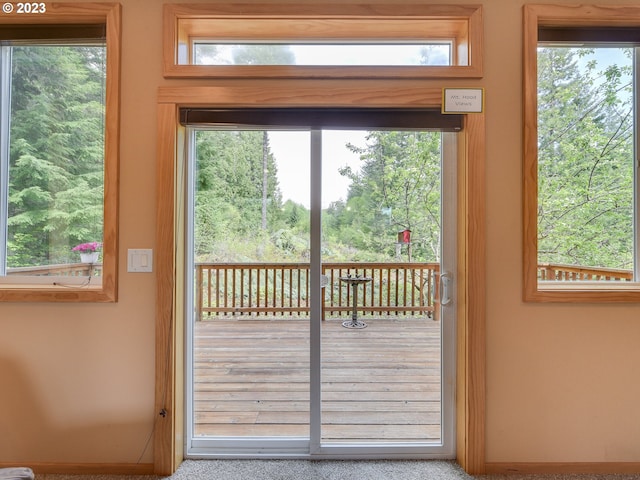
x=296, y=217
x=229, y=192
x=396, y=188
x=56, y=152
x=585, y=174
x=585, y=160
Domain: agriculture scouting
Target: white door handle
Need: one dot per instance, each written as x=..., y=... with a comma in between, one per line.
x=445, y=284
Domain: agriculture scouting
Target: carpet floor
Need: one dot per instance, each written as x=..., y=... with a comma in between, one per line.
x=326, y=470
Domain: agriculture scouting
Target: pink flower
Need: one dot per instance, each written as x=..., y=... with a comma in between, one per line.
x=87, y=247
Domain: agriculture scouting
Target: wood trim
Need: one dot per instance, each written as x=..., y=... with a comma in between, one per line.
x=471, y=269
x=179, y=295
x=321, y=28
x=242, y=71
x=171, y=40
x=165, y=445
x=462, y=391
x=530, y=155
x=475, y=43
x=566, y=468
x=471, y=315
x=329, y=9
x=112, y=155
x=110, y=14
x=460, y=23
x=585, y=15
x=555, y=16
x=311, y=93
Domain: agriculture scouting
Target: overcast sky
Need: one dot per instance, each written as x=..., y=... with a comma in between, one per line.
x=291, y=151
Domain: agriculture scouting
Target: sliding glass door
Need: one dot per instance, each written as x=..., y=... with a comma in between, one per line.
x=381, y=333
x=321, y=311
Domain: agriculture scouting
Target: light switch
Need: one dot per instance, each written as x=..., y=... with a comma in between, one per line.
x=140, y=260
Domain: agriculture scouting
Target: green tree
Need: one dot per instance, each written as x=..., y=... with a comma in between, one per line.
x=396, y=188
x=56, y=152
x=238, y=200
x=264, y=55
x=585, y=160
x=229, y=191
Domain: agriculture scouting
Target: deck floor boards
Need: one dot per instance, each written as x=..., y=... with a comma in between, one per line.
x=381, y=383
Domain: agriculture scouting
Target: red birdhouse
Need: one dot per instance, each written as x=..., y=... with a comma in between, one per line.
x=404, y=236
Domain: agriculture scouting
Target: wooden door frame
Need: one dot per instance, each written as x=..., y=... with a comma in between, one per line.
x=470, y=367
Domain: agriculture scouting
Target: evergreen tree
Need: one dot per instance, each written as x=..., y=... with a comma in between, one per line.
x=56, y=152
x=229, y=190
x=238, y=195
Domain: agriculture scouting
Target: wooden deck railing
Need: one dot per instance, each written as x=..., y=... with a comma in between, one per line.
x=64, y=269
x=279, y=289
x=574, y=273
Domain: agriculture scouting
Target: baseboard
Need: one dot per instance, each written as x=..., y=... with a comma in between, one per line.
x=87, y=468
x=541, y=468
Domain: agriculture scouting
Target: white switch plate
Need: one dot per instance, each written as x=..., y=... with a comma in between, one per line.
x=140, y=260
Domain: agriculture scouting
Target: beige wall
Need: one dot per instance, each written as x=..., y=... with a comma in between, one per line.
x=561, y=379
x=77, y=381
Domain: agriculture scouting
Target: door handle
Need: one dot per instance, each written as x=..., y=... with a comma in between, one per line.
x=445, y=285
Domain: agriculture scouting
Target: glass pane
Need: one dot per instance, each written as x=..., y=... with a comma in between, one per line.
x=55, y=159
x=251, y=252
x=392, y=54
x=585, y=164
x=381, y=341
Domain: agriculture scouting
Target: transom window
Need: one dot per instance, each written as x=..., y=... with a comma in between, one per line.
x=342, y=54
x=298, y=41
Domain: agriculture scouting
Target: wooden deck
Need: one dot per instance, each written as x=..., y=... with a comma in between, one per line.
x=381, y=383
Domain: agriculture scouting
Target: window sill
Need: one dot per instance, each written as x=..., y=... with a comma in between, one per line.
x=58, y=293
x=584, y=292
x=580, y=286
x=329, y=72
